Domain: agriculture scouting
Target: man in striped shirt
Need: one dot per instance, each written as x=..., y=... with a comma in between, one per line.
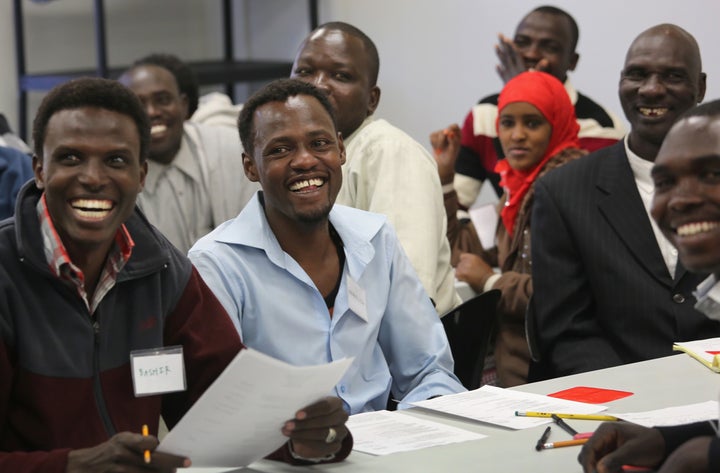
x=544, y=40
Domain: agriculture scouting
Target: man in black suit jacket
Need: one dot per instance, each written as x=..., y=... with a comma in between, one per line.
x=608, y=288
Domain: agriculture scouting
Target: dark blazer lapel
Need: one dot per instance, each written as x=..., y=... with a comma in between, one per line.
x=620, y=202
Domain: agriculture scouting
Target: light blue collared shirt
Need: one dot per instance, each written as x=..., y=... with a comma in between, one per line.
x=390, y=326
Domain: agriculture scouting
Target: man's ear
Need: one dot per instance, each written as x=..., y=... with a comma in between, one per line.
x=341, y=146
x=374, y=100
x=185, y=104
x=37, y=164
x=702, y=86
x=143, y=174
x=250, y=168
x=573, y=61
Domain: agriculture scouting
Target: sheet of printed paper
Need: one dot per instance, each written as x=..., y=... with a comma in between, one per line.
x=676, y=415
x=383, y=432
x=497, y=406
x=238, y=418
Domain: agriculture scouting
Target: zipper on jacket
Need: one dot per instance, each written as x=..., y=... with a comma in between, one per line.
x=97, y=387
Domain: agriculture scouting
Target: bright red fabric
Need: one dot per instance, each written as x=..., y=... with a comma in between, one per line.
x=548, y=95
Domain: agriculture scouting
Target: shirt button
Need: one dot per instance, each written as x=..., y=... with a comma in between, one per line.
x=342, y=388
x=679, y=298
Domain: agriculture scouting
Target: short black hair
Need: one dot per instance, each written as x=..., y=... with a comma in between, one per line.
x=707, y=109
x=276, y=91
x=185, y=77
x=551, y=10
x=370, y=48
x=91, y=92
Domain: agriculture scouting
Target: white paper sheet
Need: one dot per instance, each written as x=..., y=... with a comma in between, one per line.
x=497, y=406
x=676, y=415
x=485, y=220
x=238, y=419
x=705, y=351
x=383, y=432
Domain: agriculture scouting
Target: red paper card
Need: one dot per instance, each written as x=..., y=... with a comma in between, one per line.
x=591, y=395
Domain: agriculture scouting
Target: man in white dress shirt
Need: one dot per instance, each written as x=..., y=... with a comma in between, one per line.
x=195, y=179
x=386, y=171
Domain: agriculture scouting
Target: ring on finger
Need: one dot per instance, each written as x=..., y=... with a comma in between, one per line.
x=331, y=436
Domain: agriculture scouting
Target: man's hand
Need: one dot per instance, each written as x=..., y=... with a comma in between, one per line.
x=446, y=144
x=123, y=452
x=615, y=444
x=511, y=60
x=310, y=431
x=473, y=270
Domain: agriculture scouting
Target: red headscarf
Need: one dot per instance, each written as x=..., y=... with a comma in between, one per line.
x=548, y=95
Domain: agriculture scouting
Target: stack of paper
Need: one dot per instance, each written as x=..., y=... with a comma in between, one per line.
x=675, y=415
x=383, y=432
x=706, y=351
x=497, y=406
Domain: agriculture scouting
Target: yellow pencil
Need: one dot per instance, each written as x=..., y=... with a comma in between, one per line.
x=565, y=416
x=147, y=452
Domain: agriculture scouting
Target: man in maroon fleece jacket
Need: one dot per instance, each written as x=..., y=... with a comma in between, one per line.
x=84, y=281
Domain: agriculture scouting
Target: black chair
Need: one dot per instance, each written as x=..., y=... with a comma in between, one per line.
x=469, y=328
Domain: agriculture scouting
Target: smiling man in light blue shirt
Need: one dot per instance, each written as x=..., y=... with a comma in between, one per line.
x=308, y=282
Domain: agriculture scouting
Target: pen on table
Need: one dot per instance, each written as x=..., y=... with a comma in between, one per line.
x=563, y=425
x=146, y=454
x=565, y=416
x=543, y=439
x=564, y=443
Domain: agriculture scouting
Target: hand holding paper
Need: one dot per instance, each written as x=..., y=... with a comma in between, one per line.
x=318, y=430
x=239, y=418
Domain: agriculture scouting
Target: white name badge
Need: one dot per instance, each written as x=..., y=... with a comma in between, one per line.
x=158, y=370
x=356, y=298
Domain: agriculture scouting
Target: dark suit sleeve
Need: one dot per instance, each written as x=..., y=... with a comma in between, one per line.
x=676, y=435
x=569, y=334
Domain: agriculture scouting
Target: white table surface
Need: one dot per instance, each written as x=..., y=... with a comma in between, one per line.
x=659, y=383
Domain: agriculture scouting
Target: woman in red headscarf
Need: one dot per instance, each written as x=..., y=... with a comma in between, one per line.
x=537, y=129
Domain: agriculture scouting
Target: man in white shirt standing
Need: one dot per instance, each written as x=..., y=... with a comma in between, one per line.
x=386, y=170
x=195, y=179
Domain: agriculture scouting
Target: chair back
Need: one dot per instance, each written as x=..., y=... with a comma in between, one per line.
x=469, y=328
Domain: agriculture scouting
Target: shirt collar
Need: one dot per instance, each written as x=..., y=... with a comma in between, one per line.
x=369, y=119
x=641, y=169
x=59, y=261
x=708, y=297
x=184, y=160
x=355, y=227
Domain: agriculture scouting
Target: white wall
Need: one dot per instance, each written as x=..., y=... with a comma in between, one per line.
x=436, y=55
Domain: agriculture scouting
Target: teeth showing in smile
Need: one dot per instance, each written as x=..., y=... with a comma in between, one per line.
x=653, y=112
x=92, y=209
x=156, y=129
x=303, y=185
x=696, y=228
